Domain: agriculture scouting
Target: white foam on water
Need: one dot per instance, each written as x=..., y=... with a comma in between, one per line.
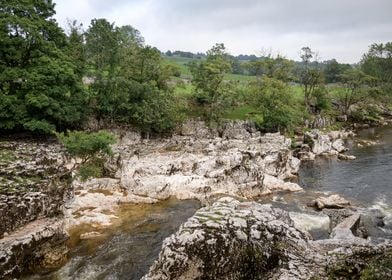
x=310, y=222
x=386, y=210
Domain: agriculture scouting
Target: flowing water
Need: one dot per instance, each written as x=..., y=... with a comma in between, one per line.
x=365, y=182
x=128, y=249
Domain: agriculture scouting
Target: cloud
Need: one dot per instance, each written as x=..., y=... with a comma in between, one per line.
x=336, y=28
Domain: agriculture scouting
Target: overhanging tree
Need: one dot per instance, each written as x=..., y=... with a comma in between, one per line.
x=39, y=90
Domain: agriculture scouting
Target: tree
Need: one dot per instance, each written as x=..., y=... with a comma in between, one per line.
x=39, y=86
x=356, y=88
x=76, y=47
x=310, y=78
x=275, y=103
x=84, y=147
x=208, y=79
x=130, y=37
x=278, y=67
x=377, y=62
x=102, y=45
x=333, y=70
x=145, y=65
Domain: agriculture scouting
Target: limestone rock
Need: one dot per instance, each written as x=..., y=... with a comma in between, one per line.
x=38, y=245
x=346, y=157
x=332, y=201
x=338, y=145
x=319, y=143
x=247, y=240
x=232, y=240
x=194, y=167
x=325, y=143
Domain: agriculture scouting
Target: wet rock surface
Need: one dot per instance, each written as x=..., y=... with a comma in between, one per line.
x=32, y=199
x=29, y=188
x=38, y=246
x=247, y=240
x=334, y=201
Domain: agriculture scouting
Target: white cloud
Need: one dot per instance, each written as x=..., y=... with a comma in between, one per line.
x=341, y=29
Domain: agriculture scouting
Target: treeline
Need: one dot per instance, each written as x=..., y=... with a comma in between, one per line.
x=247, y=65
x=285, y=94
x=105, y=74
x=42, y=69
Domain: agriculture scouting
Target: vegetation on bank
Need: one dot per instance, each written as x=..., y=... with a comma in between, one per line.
x=106, y=74
x=88, y=151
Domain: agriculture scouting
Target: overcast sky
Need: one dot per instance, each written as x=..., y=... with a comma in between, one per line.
x=341, y=29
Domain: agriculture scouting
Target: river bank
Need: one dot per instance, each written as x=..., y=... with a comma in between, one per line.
x=198, y=163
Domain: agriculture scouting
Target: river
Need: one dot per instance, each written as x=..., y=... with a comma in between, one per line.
x=126, y=250
x=365, y=182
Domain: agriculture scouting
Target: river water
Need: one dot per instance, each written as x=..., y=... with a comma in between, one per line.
x=366, y=182
x=126, y=250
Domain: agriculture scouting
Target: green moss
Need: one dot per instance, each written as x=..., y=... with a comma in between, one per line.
x=363, y=267
x=6, y=156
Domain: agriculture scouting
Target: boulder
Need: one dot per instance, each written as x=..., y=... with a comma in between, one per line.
x=38, y=245
x=346, y=229
x=233, y=240
x=318, y=142
x=201, y=168
x=334, y=201
x=338, y=145
x=346, y=157
x=248, y=240
x=325, y=143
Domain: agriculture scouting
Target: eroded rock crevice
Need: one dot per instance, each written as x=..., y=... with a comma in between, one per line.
x=247, y=240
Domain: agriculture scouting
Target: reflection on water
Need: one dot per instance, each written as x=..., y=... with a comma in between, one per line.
x=365, y=181
x=126, y=250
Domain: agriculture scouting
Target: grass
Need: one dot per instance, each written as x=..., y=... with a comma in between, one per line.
x=185, y=90
x=183, y=62
x=240, y=113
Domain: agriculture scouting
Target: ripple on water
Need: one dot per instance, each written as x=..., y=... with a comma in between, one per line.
x=128, y=248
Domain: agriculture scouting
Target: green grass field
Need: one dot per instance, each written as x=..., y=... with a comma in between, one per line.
x=244, y=112
x=183, y=62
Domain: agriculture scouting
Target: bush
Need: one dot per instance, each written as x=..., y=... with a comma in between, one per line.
x=87, y=145
x=276, y=104
x=91, y=170
x=90, y=148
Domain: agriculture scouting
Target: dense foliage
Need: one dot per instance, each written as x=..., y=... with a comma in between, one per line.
x=105, y=75
x=39, y=88
x=208, y=80
x=276, y=105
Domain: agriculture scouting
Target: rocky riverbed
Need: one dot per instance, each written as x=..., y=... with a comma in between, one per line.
x=234, y=162
x=248, y=240
x=32, y=199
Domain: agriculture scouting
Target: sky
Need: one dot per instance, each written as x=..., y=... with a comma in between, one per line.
x=340, y=29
